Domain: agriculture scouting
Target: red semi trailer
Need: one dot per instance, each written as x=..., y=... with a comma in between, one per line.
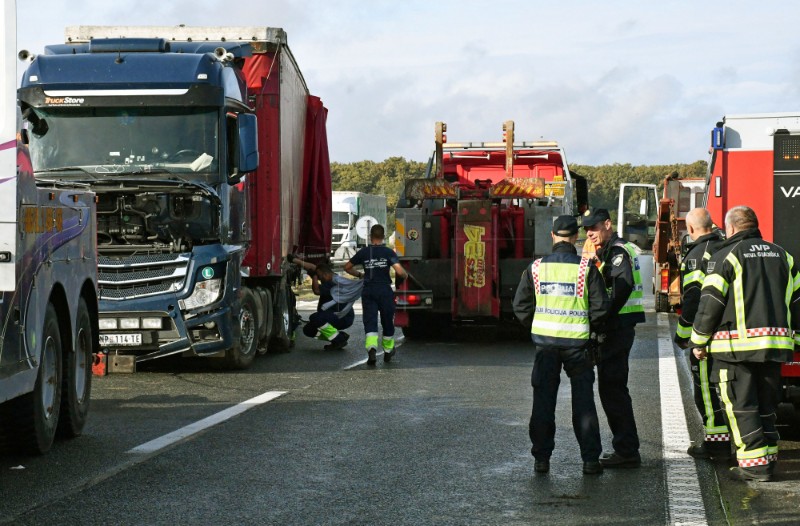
x=467, y=231
x=755, y=161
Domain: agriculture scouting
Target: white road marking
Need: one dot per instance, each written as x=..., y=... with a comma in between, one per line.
x=685, y=504
x=192, y=429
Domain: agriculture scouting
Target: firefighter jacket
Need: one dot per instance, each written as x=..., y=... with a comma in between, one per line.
x=750, y=304
x=693, y=272
x=562, y=297
x=619, y=266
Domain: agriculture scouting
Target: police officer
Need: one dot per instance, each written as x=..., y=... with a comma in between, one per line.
x=619, y=266
x=705, y=241
x=377, y=296
x=562, y=298
x=748, y=312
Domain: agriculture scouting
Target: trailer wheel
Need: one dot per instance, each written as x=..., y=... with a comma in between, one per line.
x=32, y=419
x=266, y=333
x=77, y=383
x=282, y=319
x=243, y=352
x=662, y=302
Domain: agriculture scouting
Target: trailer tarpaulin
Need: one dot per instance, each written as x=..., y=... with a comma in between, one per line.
x=315, y=226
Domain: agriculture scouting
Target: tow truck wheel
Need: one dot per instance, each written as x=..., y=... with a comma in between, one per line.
x=77, y=383
x=32, y=419
x=282, y=319
x=242, y=354
x=662, y=302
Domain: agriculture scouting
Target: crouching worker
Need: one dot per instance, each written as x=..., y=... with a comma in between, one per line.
x=334, y=314
x=562, y=298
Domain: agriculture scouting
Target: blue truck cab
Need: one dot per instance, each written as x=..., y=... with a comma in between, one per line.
x=163, y=134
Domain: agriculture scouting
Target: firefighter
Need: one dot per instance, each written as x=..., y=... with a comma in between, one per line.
x=619, y=267
x=334, y=314
x=377, y=296
x=562, y=298
x=748, y=312
x=705, y=241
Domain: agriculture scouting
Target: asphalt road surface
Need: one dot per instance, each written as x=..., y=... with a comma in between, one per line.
x=438, y=436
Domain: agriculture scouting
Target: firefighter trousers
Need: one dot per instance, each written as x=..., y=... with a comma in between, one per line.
x=378, y=300
x=750, y=392
x=715, y=425
x=612, y=385
x=545, y=379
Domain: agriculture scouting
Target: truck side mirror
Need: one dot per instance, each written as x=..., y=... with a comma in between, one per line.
x=247, y=144
x=643, y=208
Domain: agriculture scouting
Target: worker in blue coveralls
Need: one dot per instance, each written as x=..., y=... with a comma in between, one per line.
x=377, y=297
x=337, y=295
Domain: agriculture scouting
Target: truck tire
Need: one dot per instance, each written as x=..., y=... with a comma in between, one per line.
x=242, y=354
x=77, y=383
x=32, y=419
x=282, y=321
x=266, y=333
x=662, y=302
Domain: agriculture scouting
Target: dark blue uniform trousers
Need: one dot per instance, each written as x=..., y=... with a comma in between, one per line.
x=545, y=378
x=612, y=385
x=378, y=299
x=321, y=317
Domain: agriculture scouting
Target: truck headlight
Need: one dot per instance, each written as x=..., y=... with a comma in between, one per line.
x=205, y=293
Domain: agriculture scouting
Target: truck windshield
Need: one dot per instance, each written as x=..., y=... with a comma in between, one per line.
x=124, y=140
x=341, y=219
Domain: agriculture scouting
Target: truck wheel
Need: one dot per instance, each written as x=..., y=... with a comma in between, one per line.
x=34, y=417
x=662, y=302
x=281, y=341
x=242, y=354
x=77, y=383
x=266, y=333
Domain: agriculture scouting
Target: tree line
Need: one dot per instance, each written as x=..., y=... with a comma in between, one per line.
x=388, y=178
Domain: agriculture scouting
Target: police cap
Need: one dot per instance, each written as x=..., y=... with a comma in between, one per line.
x=565, y=226
x=591, y=218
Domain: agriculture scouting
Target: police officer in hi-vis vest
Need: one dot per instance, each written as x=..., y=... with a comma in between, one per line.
x=563, y=299
x=619, y=266
x=749, y=321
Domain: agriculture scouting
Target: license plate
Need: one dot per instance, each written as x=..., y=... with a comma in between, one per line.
x=121, y=339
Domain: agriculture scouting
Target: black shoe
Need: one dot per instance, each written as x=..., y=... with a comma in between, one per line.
x=541, y=466
x=592, y=468
x=371, y=357
x=336, y=346
x=719, y=450
x=698, y=451
x=387, y=356
x=746, y=474
x=615, y=460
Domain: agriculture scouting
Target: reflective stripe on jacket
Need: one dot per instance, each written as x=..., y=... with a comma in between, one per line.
x=750, y=303
x=561, y=316
x=632, y=311
x=693, y=272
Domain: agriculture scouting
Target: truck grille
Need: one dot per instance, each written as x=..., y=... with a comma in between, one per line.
x=136, y=276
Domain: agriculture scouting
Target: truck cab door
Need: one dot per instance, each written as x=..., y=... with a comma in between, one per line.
x=637, y=213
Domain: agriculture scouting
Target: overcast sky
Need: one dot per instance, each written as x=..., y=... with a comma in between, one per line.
x=612, y=81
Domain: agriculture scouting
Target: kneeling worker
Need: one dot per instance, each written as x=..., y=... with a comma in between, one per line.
x=337, y=295
x=563, y=298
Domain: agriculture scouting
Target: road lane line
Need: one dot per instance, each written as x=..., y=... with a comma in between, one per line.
x=194, y=428
x=685, y=504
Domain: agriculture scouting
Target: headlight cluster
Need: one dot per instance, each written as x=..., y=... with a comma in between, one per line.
x=205, y=293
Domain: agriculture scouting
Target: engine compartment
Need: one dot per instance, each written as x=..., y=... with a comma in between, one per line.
x=160, y=221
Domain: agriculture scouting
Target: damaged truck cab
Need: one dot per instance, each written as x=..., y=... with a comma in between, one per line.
x=163, y=134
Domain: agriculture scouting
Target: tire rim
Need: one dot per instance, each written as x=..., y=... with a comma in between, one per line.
x=79, y=372
x=247, y=330
x=49, y=377
x=286, y=319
